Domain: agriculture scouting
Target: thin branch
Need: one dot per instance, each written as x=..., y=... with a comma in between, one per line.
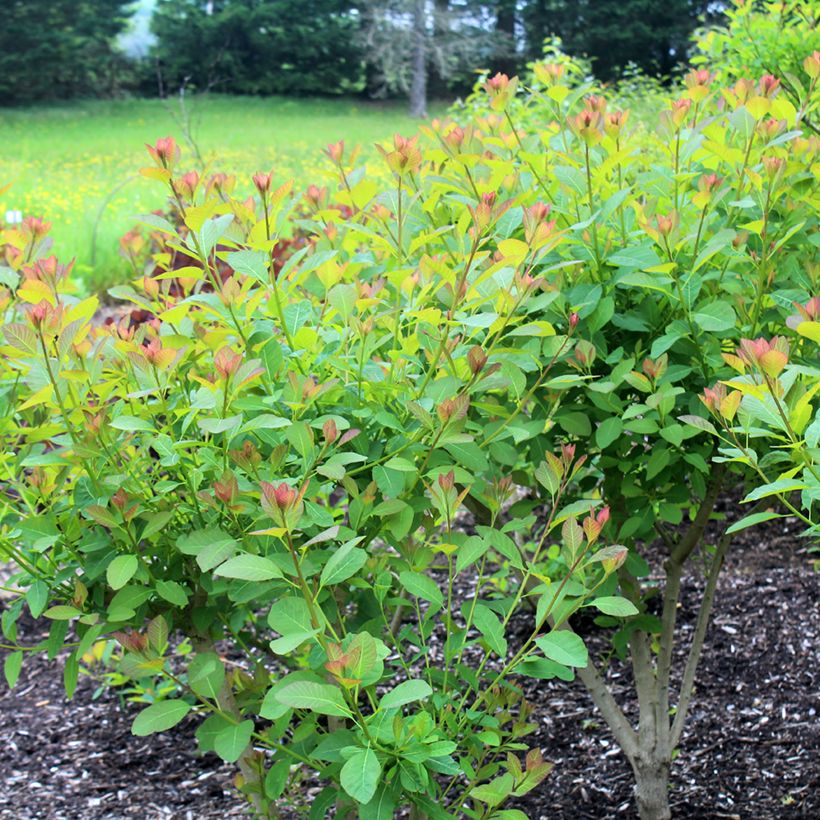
x=609, y=708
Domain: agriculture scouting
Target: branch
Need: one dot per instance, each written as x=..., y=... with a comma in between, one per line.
x=671, y=593
x=609, y=708
x=695, y=650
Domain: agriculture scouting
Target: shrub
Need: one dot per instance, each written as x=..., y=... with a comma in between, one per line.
x=766, y=37
x=690, y=233
x=278, y=458
x=358, y=469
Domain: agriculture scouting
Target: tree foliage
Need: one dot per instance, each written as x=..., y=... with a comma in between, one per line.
x=53, y=49
x=257, y=46
x=614, y=33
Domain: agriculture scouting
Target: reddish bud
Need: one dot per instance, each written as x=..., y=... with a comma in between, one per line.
x=227, y=362
x=165, y=152
x=476, y=359
x=262, y=183
x=330, y=431
x=336, y=151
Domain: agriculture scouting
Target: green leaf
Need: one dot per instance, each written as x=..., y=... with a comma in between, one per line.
x=781, y=486
x=290, y=617
x=751, y=520
x=206, y=674
x=159, y=717
x=62, y=613
x=699, y=422
x=614, y=605
x=407, y=692
x=381, y=807
x=12, y=664
x=715, y=317
x=211, y=547
x=494, y=792
x=248, y=567
x=564, y=647
x=132, y=423
x=343, y=564
x=490, y=626
x=318, y=697
x=172, y=592
x=121, y=570
x=37, y=598
x=233, y=740
x=360, y=775
x=422, y=587
x=608, y=431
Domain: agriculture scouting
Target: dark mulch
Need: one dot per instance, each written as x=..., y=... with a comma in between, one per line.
x=750, y=749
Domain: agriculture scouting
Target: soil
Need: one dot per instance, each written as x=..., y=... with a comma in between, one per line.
x=750, y=749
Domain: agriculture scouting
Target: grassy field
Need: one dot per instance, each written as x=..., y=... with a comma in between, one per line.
x=78, y=165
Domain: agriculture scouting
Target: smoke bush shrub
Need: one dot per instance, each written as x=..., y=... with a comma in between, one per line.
x=472, y=393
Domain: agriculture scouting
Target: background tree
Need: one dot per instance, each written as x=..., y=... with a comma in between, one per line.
x=56, y=49
x=654, y=35
x=258, y=46
x=407, y=42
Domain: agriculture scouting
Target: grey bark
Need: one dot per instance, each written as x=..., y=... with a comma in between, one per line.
x=418, y=85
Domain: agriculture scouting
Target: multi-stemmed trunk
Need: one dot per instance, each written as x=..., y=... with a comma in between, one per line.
x=650, y=747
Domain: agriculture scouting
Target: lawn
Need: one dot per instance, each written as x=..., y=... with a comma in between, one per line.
x=78, y=165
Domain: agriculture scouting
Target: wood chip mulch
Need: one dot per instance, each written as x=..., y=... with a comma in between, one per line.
x=751, y=748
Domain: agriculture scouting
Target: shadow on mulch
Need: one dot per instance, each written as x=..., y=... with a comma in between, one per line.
x=750, y=749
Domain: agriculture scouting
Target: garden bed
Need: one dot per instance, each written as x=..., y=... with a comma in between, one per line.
x=750, y=747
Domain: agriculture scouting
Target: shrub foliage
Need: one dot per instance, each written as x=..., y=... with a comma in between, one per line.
x=320, y=491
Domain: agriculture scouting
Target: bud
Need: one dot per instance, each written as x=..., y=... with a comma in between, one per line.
x=594, y=102
x=537, y=229
x=120, y=499
x=248, y=457
x=680, y=111
x=666, y=224
x=227, y=362
x=156, y=355
x=614, y=121
x=811, y=65
x=476, y=359
x=221, y=183
x=549, y=73
x=585, y=353
x=655, y=369
x=336, y=151
x=262, y=183
x=227, y=488
x=810, y=312
x=46, y=318
x=316, y=196
x=587, y=126
x=455, y=139
x=277, y=499
x=165, y=153
x=330, y=431
x=574, y=318
x=405, y=158
x=34, y=229
x=773, y=166
x=697, y=83
x=709, y=183
x=770, y=128
x=500, y=89
x=769, y=85
x=743, y=90
x=186, y=185
x=770, y=356
x=447, y=480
